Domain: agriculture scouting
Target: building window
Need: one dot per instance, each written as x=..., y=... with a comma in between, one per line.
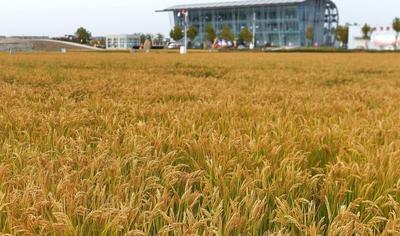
x=273, y=14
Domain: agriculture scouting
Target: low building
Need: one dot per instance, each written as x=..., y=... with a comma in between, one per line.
x=381, y=38
x=122, y=41
x=356, y=40
x=70, y=37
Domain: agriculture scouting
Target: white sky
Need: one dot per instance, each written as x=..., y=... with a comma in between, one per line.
x=101, y=17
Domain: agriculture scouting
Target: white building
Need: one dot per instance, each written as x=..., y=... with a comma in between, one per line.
x=122, y=41
x=356, y=40
x=382, y=38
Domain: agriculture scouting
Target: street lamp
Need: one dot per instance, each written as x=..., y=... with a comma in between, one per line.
x=185, y=15
x=254, y=28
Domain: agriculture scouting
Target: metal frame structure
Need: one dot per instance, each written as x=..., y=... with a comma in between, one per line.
x=331, y=22
x=277, y=22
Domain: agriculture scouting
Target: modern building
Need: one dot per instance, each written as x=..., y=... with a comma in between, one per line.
x=381, y=38
x=275, y=22
x=122, y=41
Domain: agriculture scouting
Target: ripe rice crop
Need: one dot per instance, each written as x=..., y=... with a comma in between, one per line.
x=203, y=144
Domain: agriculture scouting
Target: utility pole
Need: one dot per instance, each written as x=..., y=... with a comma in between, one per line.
x=254, y=29
x=186, y=14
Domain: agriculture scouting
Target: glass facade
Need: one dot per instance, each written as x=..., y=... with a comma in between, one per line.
x=122, y=42
x=274, y=24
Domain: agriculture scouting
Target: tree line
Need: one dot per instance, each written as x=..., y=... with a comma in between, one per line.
x=245, y=36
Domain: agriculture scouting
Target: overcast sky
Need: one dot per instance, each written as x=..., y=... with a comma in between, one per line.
x=101, y=17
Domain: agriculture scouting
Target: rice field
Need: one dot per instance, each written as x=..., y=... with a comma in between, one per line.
x=203, y=144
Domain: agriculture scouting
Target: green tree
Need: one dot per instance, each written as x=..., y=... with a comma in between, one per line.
x=227, y=34
x=159, y=39
x=149, y=37
x=366, y=30
x=192, y=33
x=176, y=33
x=142, y=38
x=83, y=36
x=396, y=27
x=246, y=35
x=342, y=35
x=210, y=33
x=310, y=35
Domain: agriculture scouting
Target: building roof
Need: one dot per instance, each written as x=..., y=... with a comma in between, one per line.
x=230, y=4
x=123, y=35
